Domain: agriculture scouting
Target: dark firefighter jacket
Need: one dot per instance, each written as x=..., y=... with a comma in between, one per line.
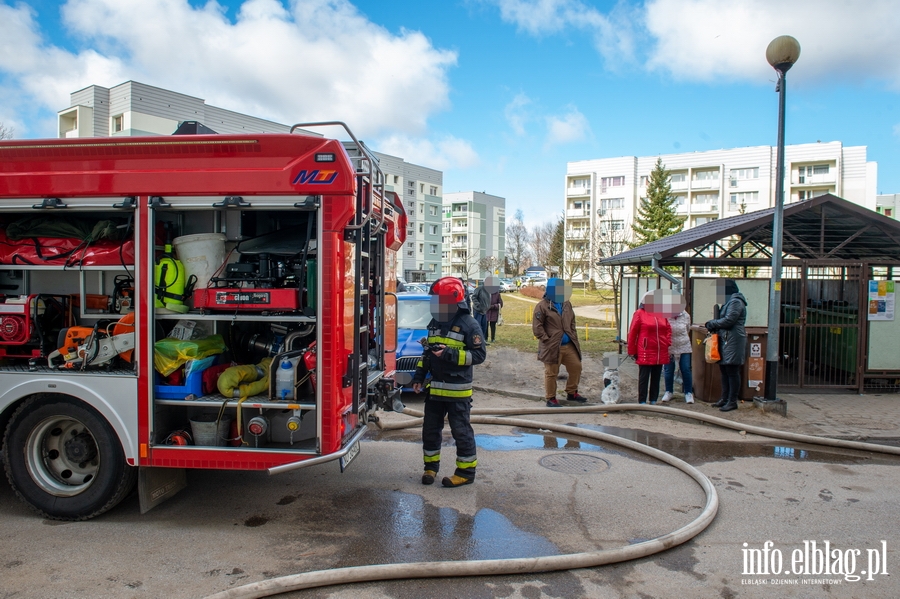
x=451, y=372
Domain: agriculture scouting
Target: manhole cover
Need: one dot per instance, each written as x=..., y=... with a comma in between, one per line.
x=574, y=463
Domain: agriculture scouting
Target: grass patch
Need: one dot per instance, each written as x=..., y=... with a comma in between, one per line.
x=515, y=332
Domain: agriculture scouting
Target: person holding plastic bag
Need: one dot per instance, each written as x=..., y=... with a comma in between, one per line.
x=729, y=328
x=649, y=339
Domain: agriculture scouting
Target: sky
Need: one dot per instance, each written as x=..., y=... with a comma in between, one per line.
x=497, y=94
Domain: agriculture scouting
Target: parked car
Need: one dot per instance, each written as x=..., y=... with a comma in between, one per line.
x=413, y=316
x=507, y=285
x=539, y=282
x=418, y=288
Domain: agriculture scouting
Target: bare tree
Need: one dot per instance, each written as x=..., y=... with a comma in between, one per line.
x=542, y=242
x=517, y=244
x=610, y=238
x=6, y=132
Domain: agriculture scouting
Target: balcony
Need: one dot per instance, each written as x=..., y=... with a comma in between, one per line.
x=679, y=185
x=704, y=184
x=578, y=213
x=681, y=209
x=698, y=208
x=578, y=191
x=577, y=233
x=814, y=179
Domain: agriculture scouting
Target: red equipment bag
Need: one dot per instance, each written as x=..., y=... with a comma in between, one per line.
x=65, y=251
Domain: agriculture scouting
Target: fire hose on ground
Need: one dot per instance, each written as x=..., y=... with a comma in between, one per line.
x=531, y=565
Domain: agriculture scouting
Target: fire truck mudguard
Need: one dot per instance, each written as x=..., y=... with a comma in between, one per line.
x=64, y=460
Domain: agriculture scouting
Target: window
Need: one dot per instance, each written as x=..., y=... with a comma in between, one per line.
x=118, y=123
x=706, y=198
x=421, y=208
x=410, y=231
x=744, y=197
x=702, y=220
x=744, y=173
x=421, y=228
x=705, y=175
x=644, y=180
x=410, y=245
x=617, y=225
x=411, y=185
x=432, y=248
x=809, y=171
x=577, y=205
x=396, y=179
x=612, y=182
x=422, y=187
x=421, y=248
x=677, y=177
x=888, y=211
x=432, y=229
x=409, y=253
x=612, y=204
x=433, y=210
x=680, y=200
x=812, y=193
x=434, y=190
x=434, y=267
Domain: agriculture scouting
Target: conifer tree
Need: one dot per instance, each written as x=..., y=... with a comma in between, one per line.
x=656, y=216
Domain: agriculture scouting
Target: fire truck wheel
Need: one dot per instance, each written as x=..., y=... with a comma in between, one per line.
x=64, y=460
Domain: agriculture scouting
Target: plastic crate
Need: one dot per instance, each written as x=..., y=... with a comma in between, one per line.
x=192, y=386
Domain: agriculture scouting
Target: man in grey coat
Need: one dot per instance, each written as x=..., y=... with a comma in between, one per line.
x=732, y=344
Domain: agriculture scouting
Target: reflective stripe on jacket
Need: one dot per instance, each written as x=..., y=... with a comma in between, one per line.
x=451, y=372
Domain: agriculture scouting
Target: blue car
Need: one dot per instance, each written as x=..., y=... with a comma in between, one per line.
x=413, y=316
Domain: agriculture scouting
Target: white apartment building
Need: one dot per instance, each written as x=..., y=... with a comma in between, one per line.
x=888, y=205
x=474, y=234
x=133, y=108
x=420, y=188
x=604, y=194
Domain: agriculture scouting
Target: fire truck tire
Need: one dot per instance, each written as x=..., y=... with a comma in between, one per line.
x=64, y=460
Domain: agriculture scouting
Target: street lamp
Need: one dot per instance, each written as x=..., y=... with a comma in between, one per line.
x=782, y=53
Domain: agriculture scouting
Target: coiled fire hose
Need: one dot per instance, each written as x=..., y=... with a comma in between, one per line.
x=588, y=559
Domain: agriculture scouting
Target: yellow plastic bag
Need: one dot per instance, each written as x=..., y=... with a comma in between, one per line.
x=170, y=354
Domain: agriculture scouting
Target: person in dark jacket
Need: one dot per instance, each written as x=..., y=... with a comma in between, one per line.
x=481, y=303
x=732, y=344
x=649, y=339
x=493, y=314
x=455, y=344
x=554, y=326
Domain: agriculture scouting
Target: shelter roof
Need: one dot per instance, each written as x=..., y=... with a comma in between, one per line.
x=822, y=228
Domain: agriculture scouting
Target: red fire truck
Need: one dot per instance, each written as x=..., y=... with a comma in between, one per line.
x=193, y=301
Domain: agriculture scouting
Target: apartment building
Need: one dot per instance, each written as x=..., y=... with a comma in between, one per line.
x=132, y=108
x=888, y=205
x=603, y=195
x=421, y=189
x=474, y=234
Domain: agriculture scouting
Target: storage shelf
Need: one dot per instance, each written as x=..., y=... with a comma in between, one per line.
x=242, y=316
x=256, y=401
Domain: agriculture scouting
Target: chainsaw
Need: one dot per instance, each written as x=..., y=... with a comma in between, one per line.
x=81, y=347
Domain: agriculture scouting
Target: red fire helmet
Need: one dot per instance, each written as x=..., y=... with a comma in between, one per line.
x=450, y=288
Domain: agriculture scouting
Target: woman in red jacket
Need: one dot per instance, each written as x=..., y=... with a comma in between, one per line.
x=649, y=339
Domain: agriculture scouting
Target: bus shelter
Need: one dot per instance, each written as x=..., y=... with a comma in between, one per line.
x=838, y=327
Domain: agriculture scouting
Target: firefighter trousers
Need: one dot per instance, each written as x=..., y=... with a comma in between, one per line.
x=457, y=413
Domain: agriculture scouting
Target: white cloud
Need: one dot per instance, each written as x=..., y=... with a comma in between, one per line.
x=516, y=113
x=612, y=34
x=568, y=128
x=709, y=40
x=446, y=153
x=306, y=61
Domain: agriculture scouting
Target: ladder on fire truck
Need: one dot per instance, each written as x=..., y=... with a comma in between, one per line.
x=366, y=231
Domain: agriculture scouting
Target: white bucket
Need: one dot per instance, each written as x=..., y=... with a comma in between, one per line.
x=205, y=432
x=202, y=255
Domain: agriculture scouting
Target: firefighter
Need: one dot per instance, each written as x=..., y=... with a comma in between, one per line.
x=454, y=345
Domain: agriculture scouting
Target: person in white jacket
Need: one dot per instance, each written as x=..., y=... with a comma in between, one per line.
x=680, y=354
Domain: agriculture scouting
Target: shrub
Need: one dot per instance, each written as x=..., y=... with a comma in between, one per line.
x=535, y=292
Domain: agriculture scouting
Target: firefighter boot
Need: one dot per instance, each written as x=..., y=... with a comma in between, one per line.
x=457, y=481
x=428, y=477
x=464, y=475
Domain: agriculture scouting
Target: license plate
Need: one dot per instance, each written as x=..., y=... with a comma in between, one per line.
x=354, y=451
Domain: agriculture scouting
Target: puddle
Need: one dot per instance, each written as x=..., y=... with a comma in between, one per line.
x=697, y=451
x=692, y=451
x=409, y=529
